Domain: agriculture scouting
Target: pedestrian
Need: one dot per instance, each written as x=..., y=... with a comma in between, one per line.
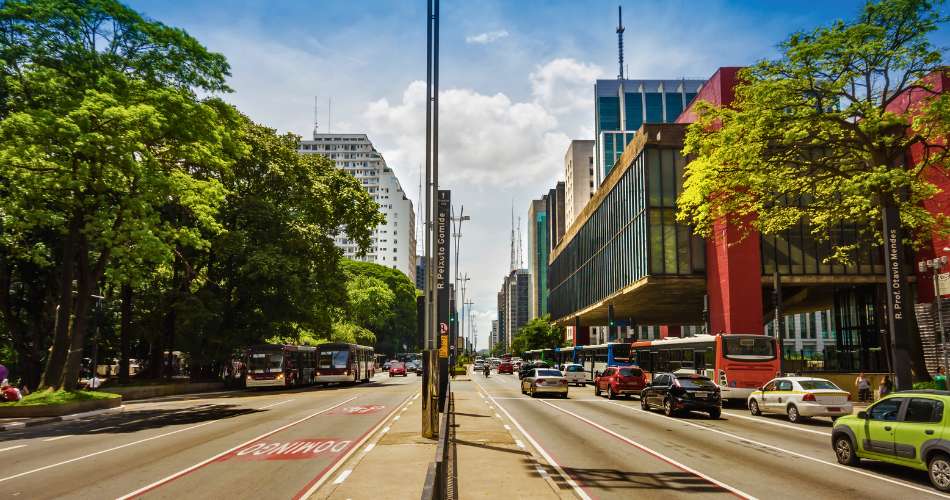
x=940, y=380
x=9, y=392
x=886, y=387
x=864, y=388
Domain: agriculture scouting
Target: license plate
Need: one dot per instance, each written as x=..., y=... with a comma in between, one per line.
x=702, y=394
x=834, y=408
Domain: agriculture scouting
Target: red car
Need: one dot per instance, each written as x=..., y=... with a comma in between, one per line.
x=506, y=367
x=619, y=381
x=397, y=369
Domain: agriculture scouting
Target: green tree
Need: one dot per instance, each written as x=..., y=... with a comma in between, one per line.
x=396, y=327
x=539, y=333
x=100, y=130
x=821, y=133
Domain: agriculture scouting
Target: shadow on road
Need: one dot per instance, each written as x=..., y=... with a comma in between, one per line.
x=616, y=479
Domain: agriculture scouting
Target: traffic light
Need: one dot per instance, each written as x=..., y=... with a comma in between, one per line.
x=610, y=316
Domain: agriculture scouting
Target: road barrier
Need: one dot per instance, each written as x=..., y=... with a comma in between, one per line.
x=442, y=475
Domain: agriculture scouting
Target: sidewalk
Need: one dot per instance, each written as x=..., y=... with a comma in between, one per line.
x=490, y=464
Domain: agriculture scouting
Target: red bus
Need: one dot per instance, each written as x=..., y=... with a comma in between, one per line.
x=275, y=365
x=342, y=362
x=738, y=363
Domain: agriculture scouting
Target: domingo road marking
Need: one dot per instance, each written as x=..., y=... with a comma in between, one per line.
x=650, y=451
x=790, y=452
x=537, y=446
x=315, y=483
x=201, y=464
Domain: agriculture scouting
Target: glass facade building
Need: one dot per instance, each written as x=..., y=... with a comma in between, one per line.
x=622, y=106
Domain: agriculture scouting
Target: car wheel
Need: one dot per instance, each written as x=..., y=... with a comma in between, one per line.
x=610, y=393
x=596, y=390
x=532, y=392
x=939, y=469
x=564, y=396
x=754, y=408
x=715, y=414
x=668, y=407
x=844, y=450
x=643, y=404
x=793, y=415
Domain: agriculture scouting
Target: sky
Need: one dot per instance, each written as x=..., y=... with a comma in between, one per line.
x=516, y=83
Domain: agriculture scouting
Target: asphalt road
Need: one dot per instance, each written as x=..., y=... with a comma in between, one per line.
x=613, y=449
x=260, y=444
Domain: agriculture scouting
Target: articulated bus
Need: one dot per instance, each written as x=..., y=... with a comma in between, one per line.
x=341, y=362
x=738, y=363
x=595, y=358
x=275, y=365
x=546, y=355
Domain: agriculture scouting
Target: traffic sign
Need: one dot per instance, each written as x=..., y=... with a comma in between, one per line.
x=444, y=346
x=443, y=328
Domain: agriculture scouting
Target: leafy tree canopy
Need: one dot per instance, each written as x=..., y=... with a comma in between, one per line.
x=821, y=133
x=539, y=333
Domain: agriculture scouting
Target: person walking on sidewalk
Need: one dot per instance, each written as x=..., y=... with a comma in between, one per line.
x=886, y=387
x=940, y=380
x=864, y=388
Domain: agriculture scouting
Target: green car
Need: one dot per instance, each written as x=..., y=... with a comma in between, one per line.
x=905, y=428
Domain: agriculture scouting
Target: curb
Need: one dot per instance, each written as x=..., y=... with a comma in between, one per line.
x=48, y=420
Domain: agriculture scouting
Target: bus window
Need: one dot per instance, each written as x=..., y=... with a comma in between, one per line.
x=265, y=361
x=748, y=348
x=621, y=353
x=334, y=359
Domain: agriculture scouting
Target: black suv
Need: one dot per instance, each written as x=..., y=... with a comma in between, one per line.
x=679, y=393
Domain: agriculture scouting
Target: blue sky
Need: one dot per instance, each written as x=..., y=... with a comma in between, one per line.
x=516, y=79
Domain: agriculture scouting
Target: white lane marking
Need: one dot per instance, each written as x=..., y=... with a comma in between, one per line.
x=653, y=452
x=540, y=471
x=57, y=438
x=369, y=448
x=519, y=443
x=229, y=450
x=790, y=452
x=507, y=427
x=544, y=454
x=342, y=460
x=497, y=415
x=71, y=460
x=416, y=397
x=385, y=429
x=103, y=428
x=343, y=475
x=397, y=417
x=766, y=420
x=275, y=404
x=8, y=448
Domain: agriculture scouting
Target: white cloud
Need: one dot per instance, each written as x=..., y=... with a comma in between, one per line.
x=487, y=37
x=565, y=85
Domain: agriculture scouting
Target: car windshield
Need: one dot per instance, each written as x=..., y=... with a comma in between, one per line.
x=575, y=368
x=748, y=347
x=696, y=383
x=818, y=384
x=397, y=365
x=630, y=372
x=548, y=373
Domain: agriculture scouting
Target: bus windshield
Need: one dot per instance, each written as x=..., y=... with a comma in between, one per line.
x=334, y=359
x=749, y=348
x=621, y=353
x=265, y=361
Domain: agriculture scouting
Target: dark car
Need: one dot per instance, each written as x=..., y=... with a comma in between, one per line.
x=619, y=381
x=682, y=393
x=506, y=367
x=526, y=368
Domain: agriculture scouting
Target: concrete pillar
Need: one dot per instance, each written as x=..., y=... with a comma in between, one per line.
x=670, y=331
x=733, y=280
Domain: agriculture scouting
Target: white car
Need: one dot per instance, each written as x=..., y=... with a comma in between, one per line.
x=799, y=397
x=575, y=374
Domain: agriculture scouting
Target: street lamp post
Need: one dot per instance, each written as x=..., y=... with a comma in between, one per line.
x=936, y=265
x=469, y=322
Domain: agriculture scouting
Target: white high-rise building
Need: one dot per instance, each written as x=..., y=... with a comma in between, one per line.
x=393, y=242
x=578, y=178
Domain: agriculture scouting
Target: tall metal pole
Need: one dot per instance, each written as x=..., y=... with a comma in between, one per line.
x=429, y=399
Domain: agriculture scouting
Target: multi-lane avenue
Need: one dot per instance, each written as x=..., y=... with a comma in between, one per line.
x=253, y=444
x=613, y=449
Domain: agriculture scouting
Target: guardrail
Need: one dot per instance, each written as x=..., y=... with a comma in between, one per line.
x=442, y=475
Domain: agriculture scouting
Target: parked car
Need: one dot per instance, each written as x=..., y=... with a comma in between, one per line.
x=544, y=380
x=800, y=397
x=397, y=369
x=619, y=381
x=505, y=367
x=906, y=428
x=386, y=365
x=575, y=374
x=679, y=393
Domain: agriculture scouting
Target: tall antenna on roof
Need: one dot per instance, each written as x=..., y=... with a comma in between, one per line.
x=511, y=266
x=316, y=115
x=330, y=115
x=620, y=39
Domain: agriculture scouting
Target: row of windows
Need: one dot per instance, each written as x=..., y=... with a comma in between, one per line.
x=631, y=234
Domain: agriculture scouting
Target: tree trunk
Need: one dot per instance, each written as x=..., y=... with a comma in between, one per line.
x=169, y=341
x=57, y=356
x=77, y=334
x=125, y=333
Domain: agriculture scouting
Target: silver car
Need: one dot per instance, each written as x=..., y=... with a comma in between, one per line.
x=544, y=380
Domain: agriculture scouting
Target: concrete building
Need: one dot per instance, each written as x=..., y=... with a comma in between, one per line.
x=578, y=178
x=554, y=207
x=621, y=106
x=538, y=249
x=493, y=336
x=513, y=305
x=420, y=272
x=394, y=241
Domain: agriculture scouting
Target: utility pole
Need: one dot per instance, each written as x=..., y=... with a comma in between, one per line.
x=430, y=416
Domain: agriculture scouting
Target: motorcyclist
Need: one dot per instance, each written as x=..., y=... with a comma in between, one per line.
x=487, y=370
